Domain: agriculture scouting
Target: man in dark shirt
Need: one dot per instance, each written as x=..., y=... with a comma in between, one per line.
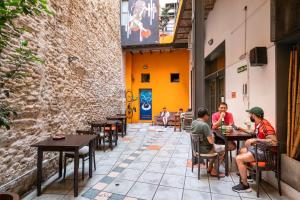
x=200, y=126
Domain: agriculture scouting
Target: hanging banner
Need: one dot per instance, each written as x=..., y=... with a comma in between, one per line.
x=142, y=25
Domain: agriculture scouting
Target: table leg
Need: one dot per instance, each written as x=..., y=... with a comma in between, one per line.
x=39, y=171
x=76, y=166
x=237, y=147
x=125, y=126
x=91, y=149
x=226, y=158
x=110, y=138
x=60, y=164
x=117, y=134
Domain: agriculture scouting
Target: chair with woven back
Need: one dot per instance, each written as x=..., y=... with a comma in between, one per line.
x=83, y=153
x=195, y=143
x=271, y=163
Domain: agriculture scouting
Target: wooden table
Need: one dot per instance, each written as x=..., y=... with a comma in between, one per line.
x=70, y=143
x=235, y=135
x=106, y=124
x=123, y=119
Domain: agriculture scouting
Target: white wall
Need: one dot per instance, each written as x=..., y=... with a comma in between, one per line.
x=226, y=22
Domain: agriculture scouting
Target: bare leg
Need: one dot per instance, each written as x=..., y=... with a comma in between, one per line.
x=241, y=159
x=243, y=150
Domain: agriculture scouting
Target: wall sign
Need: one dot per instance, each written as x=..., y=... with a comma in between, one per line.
x=242, y=69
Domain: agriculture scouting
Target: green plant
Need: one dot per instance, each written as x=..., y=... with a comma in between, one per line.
x=164, y=18
x=15, y=51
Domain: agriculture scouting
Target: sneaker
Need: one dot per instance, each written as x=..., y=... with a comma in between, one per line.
x=241, y=188
x=249, y=178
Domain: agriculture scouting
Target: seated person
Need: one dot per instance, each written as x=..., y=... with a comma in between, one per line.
x=165, y=116
x=181, y=114
x=264, y=133
x=227, y=120
x=200, y=126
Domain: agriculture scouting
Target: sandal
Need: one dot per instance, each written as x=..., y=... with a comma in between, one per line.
x=221, y=175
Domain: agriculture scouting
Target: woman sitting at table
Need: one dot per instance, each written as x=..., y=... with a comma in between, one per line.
x=227, y=118
x=264, y=133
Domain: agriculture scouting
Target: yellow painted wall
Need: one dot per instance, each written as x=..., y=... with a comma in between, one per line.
x=160, y=67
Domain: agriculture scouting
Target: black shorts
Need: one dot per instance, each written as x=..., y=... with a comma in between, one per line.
x=260, y=154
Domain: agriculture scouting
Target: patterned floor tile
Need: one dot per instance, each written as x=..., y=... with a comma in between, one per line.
x=164, y=193
x=130, y=174
x=192, y=183
x=142, y=191
x=119, y=186
x=99, y=186
x=92, y=193
x=173, y=181
x=192, y=195
x=158, y=166
x=113, y=174
x=107, y=179
x=150, y=177
x=118, y=169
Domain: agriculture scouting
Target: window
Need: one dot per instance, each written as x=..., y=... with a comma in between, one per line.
x=174, y=78
x=145, y=78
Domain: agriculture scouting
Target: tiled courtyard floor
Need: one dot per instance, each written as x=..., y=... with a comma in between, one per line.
x=149, y=163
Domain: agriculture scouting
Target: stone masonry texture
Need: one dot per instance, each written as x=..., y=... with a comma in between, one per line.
x=80, y=81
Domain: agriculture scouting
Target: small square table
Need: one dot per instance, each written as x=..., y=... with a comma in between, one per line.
x=70, y=143
x=235, y=135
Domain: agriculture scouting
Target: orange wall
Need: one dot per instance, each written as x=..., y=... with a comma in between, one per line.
x=160, y=66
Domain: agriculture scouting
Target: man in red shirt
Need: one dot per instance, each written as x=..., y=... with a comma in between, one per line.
x=227, y=120
x=264, y=133
x=222, y=114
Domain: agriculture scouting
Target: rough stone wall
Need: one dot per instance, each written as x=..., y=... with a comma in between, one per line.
x=63, y=94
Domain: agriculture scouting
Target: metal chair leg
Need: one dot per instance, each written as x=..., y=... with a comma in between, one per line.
x=278, y=182
x=192, y=163
x=218, y=170
x=257, y=182
x=198, y=167
x=65, y=167
x=82, y=168
x=94, y=155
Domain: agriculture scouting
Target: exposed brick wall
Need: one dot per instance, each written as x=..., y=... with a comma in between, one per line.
x=62, y=96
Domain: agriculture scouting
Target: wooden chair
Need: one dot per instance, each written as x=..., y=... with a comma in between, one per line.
x=187, y=122
x=111, y=130
x=177, y=123
x=83, y=153
x=272, y=163
x=100, y=130
x=195, y=142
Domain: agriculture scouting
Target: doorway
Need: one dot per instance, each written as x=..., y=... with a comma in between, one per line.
x=145, y=104
x=215, y=78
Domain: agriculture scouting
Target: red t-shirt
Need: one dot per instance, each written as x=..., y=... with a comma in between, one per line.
x=263, y=129
x=228, y=119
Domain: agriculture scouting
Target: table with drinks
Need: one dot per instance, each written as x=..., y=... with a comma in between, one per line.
x=228, y=133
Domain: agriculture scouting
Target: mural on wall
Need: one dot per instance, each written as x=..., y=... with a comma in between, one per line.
x=146, y=104
x=143, y=22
